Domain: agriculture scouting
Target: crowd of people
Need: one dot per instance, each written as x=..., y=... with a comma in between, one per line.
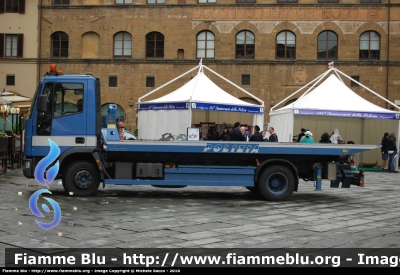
x=238, y=133
x=306, y=136
x=389, y=149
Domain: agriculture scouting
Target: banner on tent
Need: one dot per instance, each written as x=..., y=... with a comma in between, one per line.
x=228, y=108
x=395, y=116
x=164, y=106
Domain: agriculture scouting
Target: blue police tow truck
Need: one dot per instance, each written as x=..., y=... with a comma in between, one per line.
x=66, y=109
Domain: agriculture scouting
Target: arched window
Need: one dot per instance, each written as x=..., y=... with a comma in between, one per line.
x=205, y=44
x=59, y=44
x=327, y=45
x=370, y=45
x=286, y=45
x=245, y=45
x=154, y=44
x=122, y=44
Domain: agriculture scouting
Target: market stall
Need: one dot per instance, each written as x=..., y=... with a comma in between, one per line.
x=200, y=99
x=328, y=104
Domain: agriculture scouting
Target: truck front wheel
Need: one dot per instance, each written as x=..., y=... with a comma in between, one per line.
x=276, y=183
x=82, y=179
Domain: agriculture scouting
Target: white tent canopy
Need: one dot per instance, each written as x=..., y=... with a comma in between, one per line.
x=333, y=103
x=173, y=113
x=331, y=98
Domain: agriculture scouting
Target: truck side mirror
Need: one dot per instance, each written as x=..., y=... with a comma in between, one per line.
x=42, y=103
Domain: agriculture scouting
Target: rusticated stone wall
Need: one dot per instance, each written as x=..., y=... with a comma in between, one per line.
x=272, y=80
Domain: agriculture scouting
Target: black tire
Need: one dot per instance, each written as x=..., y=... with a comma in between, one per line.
x=82, y=179
x=276, y=183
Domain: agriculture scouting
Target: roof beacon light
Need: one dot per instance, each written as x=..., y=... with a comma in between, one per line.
x=53, y=70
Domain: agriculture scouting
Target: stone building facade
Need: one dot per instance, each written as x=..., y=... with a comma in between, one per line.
x=270, y=48
x=18, y=52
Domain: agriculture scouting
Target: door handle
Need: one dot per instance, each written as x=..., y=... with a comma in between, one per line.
x=80, y=140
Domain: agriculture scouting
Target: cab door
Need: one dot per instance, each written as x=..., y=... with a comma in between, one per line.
x=63, y=120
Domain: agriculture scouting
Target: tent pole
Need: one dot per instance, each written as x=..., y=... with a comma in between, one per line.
x=320, y=76
x=162, y=86
x=197, y=80
x=230, y=82
x=338, y=76
x=378, y=95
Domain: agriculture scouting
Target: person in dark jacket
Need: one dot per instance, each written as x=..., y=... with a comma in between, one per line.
x=235, y=134
x=213, y=134
x=384, y=150
x=256, y=136
x=225, y=134
x=263, y=134
x=325, y=138
x=392, y=152
x=273, y=137
x=301, y=134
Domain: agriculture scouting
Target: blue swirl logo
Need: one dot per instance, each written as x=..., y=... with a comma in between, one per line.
x=40, y=172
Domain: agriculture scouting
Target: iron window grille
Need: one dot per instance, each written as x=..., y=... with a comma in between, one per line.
x=150, y=81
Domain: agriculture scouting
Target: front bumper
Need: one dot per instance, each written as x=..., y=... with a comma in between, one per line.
x=27, y=168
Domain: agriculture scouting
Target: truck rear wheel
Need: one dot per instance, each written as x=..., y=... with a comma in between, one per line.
x=276, y=183
x=82, y=179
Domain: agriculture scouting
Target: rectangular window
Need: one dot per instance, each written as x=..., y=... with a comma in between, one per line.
x=356, y=78
x=11, y=5
x=123, y=1
x=10, y=80
x=245, y=79
x=150, y=81
x=155, y=1
x=68, y=99
x=11, y=45
x=112, y=81
x=328, y=1
x=207, y=1
x=60, y=2
x=370, y=1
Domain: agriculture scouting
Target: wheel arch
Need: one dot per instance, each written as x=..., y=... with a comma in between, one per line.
x=77, y=153
x=267, y=163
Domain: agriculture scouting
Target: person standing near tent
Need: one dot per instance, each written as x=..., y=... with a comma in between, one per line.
x=384, y=150
x=301, y=134
x=272, y=135
x=225, y=134
x=235, y=134
x=335, y=136
x=392, y=152
x=213, y=135
x=263, y=134
x=325, y=138
x=243, y=131
x=256, y=136
x=307, y=138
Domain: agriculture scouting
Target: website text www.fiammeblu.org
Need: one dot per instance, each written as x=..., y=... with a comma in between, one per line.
x=179, y=260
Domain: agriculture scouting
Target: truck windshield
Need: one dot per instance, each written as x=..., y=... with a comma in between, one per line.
x=39, y=87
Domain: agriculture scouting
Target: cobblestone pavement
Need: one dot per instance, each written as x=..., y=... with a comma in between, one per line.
x=204, y=217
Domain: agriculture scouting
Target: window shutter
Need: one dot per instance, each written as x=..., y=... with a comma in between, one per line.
x=21, y=6
x=20, y=46
x=2, y=5
x=1, y=44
